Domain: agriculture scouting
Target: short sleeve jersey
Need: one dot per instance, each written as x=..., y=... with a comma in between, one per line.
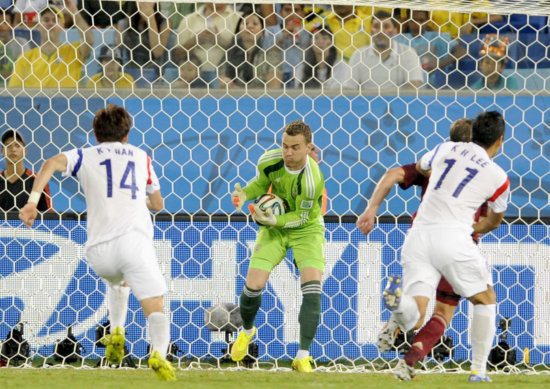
x=115, y=179
x=463, y=177
x=303, y=189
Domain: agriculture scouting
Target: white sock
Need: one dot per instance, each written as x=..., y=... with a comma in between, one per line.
x=159, y=329
x=482, y=333
x=248, y=331
x=302, y=354
x=117, y=302
x=407, y=313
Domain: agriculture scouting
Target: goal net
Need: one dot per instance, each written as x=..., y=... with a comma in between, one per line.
x=209, y=88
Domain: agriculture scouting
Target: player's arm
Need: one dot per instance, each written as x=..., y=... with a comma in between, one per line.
x=154, y=201
x=365, y=222
x=425, y=172
x=308, y=202
x=55, y=164
x=258, y=186
x=424, y=164
x=497, y=207
x=489, y=223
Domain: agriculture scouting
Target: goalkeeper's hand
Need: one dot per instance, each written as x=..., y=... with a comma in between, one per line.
x=263, y=218
x=239, y=197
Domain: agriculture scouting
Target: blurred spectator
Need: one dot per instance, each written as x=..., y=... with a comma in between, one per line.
x=385, y=63
x=349, y=26
x=322, y=67
x=101, y=13
x=292, y=38
x=206, y=35
x=479, y=22
x=493, y=59
x=174, y=12
x=16, y=180
x=145, y=35
x=10, y=48
x=437, y=51
x=53, y=64
x=248, y=63
x=456, y=23
x=111, y=75
x=189, y=75
x=27, y=11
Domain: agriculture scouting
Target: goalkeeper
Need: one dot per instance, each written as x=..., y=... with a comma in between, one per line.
x=297, y=179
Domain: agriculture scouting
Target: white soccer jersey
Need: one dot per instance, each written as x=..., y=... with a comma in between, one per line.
x=115, y=179
x=463, y=177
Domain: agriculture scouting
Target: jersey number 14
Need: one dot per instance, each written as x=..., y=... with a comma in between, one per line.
x=129, y=173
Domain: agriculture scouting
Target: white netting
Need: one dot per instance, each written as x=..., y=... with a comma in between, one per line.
x=205, y=108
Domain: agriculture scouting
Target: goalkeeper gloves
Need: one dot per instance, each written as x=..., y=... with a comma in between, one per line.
x=263, y=218
x=239, y=197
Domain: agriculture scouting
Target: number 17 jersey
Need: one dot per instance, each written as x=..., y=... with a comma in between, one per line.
x=115, y=179
x=463, y=177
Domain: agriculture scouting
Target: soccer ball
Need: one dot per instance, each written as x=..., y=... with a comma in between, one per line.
x=270, y=200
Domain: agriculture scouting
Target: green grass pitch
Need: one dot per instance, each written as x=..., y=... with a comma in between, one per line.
x=220, y=379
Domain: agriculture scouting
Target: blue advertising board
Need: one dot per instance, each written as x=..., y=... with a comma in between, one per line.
x=202, y=146
x=46, y=283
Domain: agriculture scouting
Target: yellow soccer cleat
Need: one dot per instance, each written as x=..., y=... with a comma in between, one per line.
x=162, y=367
x=114, y=343
x=240, y=347
x=302, y=365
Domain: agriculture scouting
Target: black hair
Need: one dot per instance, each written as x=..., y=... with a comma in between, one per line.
x=239, y=68
x=487, y=128
x=12, y=134
x=111, y=124
x=311, y=68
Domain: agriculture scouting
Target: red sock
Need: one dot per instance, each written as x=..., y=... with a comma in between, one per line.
x=425, y=339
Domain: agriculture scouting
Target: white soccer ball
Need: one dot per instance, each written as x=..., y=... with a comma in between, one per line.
x=270, y=200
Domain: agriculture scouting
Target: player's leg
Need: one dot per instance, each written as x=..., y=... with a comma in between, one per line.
x=308, y=249
x=471, y=278
x=141, y=271
x=269, y=250
x=117, y=302
x=434, y=329
x=482, y=333
x=104, y=263
x=408, y=297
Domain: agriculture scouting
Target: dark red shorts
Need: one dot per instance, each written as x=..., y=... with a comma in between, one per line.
x=446, y=294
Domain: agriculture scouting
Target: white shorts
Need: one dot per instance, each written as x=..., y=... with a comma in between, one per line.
x=429, y=253
x=131, y=258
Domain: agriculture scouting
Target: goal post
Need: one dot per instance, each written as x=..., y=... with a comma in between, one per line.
x=204, y=140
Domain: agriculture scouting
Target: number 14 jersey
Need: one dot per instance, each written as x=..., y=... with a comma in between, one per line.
x=115, y=179
x=463, y=177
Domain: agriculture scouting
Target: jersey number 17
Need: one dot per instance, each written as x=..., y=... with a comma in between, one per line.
x=471, y=174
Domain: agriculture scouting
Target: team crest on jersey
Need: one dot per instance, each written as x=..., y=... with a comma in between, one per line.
x=293, y=191
x=307, y=204
x=257, y=248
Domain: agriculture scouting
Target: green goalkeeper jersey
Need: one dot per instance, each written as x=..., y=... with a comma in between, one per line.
x=302, y=190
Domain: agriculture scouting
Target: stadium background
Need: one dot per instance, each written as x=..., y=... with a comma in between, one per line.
x=202, y=144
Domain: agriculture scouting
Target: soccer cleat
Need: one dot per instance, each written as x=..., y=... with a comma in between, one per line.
x=476, y=377
x=114, y=345
x=387, y=335
x=302, y=365
x=162, y=367
x=404, y=372
x=239, y=349
x=392, y=293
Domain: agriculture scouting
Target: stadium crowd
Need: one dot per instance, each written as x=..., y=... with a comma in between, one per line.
x=117, y=44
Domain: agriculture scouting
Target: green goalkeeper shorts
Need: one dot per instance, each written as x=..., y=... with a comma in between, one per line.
x=307, y=244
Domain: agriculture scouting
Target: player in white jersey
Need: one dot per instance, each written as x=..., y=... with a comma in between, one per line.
x=462, y=177
x=120, y=185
